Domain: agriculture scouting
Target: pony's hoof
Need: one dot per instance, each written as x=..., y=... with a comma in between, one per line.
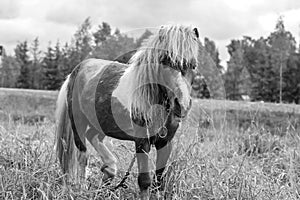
x=155, y=196
x=144, y=195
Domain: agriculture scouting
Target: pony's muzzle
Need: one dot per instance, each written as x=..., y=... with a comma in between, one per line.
x=179, y=110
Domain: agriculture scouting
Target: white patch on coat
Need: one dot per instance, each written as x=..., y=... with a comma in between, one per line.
x=124, y=88
x=184, y=97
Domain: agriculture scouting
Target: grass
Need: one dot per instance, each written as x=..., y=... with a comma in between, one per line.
x=255, y=154
x=206, y=163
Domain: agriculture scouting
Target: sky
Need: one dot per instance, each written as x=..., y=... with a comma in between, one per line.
x=221, y=21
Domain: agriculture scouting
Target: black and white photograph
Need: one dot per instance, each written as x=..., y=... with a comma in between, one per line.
x=149, y=100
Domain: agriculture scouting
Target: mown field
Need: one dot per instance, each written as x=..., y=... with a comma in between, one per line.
x=224, y=150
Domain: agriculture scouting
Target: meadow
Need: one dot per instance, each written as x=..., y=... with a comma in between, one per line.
x=223, y=150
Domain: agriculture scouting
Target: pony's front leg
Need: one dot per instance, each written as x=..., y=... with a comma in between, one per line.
x=163, y=153
x=144, y=180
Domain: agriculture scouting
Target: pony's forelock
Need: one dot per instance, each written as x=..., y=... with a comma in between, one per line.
x=177, y=42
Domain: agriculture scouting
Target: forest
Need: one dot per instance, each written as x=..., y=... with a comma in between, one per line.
x=263, y=69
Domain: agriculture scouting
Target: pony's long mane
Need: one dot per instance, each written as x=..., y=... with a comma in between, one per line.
x=177, y=42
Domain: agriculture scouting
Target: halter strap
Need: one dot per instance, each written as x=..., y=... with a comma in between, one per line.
x=166, y=60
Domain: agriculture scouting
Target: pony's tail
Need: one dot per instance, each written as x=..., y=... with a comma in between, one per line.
x=65, y=148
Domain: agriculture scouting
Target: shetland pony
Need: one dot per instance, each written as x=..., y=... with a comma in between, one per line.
x=143, y=101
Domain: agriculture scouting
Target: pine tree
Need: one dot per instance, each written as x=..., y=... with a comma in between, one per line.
x=142, y=38
x=51, y=77
x=83, y=39
x=65, y=67
x=114, y=46
x=235, y=67
x=200, y=87
x=9, y=71
x=22, y=57
x=58, y=61
x=211, y=49
x=256, y=60
x=212, y=76
x=291, y=91
x=36, y=64
x=282, y=44
x=103, y=32
x=81, y=45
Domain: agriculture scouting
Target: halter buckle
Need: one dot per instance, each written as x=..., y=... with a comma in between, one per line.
x=162, y=132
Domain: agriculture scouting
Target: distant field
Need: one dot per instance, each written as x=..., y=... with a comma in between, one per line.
x=276, y=118
x=37, y=104
x=43, y=99
x=29, y=103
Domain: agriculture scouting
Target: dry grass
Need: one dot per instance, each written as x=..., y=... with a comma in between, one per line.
x=206, y=163
x=211, y=159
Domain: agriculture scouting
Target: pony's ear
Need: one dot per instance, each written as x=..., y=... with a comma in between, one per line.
x=196, y=32
x=160, y=33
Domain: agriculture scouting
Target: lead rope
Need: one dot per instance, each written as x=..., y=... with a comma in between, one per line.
x=122, y=182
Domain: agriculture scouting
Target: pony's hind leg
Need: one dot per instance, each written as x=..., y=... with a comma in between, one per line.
x=109, y=167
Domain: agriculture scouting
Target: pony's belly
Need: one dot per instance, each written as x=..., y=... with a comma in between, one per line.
x=117, y=123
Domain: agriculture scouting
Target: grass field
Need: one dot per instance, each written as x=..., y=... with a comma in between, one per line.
x=253, y=154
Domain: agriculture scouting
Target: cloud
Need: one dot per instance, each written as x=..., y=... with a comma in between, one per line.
x=219, y=20
x=277, y=6
x=9, y=9
x=15, y=30
x=69, y=12
x=19, y=31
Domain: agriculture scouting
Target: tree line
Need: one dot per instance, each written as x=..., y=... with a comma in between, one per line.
x=31, y=68
x=263, y=69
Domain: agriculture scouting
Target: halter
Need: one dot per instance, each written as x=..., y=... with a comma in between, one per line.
x=166, y=61
x=162, y=132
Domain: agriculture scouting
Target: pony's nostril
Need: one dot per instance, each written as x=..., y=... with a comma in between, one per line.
x=177, y=107
x=179, y=111
x=177, y=101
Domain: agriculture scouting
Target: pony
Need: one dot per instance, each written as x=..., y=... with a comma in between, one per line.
x=143, y=101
